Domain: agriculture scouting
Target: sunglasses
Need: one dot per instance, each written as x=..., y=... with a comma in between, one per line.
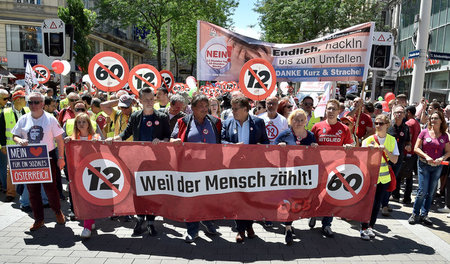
x=5, y=98
x=124, y=107
x=34, y=102
x=379, y=123
x=288, y=106
x=73, y=100
x=260, y=107
x=347, y=124
x=80, y=110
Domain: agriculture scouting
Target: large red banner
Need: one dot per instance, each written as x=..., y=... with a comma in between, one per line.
x=192, y=182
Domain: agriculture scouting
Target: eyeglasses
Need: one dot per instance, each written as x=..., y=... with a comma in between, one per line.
x=34, y=102
x=80, y=110
x=308, y=104
x=379, y=123
x=73, y=100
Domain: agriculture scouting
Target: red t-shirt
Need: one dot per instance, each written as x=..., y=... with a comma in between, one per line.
x=101, y=121
x=364, y=122
x=333, y=135
x=414, y=130
x=66, y=114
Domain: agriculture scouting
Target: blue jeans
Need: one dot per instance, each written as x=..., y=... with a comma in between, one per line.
x=193, y=227
x=3, y=171
x=25, y=197
x=428, y=181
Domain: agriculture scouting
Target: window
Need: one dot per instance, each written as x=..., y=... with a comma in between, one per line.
x=33, y=2
x=23, y=38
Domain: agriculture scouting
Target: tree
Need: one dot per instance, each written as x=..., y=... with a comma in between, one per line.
x=287, y=21
x=83, y=21
x=155, y=14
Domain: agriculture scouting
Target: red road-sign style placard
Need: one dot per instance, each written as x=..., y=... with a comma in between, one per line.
x=257, y=79
x=167, y=79
x=102, y=179
x=347, y=184
x=108, y=71
x=144, y=75
x=42, y=73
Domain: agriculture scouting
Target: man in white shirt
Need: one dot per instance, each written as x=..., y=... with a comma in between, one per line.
x=275, y=123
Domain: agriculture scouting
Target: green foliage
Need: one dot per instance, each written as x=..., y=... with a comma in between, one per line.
x=154, y=15
x=83, y=21
x=291, y=21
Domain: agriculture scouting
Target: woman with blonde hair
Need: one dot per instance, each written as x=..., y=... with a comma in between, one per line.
x=295, y=135
x=83, y=130
x=380, y=139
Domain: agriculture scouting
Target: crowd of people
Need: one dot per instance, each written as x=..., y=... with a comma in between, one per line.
x=414, y=139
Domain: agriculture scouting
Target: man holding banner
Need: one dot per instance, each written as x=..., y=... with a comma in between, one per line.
x=334, y=133
x=146, y=125
x=243, y=129
x=39, y=127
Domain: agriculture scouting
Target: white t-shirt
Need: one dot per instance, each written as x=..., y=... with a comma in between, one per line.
x=38, y=131
x=274, y=126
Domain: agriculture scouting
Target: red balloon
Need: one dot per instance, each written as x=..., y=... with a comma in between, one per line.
x=385, y=106
x=57, y=66
x=389, y=97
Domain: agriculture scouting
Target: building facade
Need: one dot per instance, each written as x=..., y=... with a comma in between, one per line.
x=21, y=36
x=437, y=76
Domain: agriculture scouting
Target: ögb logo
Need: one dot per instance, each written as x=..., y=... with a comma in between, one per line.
x=218, y=56
x=102, y=179
x=346, y=184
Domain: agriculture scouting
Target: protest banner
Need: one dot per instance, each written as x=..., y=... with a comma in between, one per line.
x=194, y=182
x=30, y=164
x=341, y=56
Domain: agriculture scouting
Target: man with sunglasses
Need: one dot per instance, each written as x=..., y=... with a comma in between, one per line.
x=39, y=127
x=68, y=112
x=8, y=119
x=307, y=105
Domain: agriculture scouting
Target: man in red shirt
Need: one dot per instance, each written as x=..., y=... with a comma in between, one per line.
x=68, y=112
x=331, y=132
x=365, y=124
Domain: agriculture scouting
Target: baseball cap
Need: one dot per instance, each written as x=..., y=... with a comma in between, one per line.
x=125, y=101
x=378, y=106
x=348, y=118
x=18, y=94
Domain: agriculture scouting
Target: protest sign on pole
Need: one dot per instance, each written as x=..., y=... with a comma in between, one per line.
x=341, y=56
x=29, y=164
x=215, y=181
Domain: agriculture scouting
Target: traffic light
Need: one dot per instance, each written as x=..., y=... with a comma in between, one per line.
x=54, y=44
x=380, y=57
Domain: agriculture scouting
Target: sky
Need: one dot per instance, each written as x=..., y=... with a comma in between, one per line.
x=244, y=17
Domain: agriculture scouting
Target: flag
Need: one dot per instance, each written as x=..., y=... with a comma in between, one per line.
x=320, y=109
x=30, y=78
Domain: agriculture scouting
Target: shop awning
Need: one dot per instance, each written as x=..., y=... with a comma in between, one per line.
x=5, y=73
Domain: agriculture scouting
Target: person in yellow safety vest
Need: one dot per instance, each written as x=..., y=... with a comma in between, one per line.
x=65, y=102
x=8, y=119
x=162, y=99
x=80, y=107
x=99, y=116
x=307, y=105
x=119, y=118
x=389, y=144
